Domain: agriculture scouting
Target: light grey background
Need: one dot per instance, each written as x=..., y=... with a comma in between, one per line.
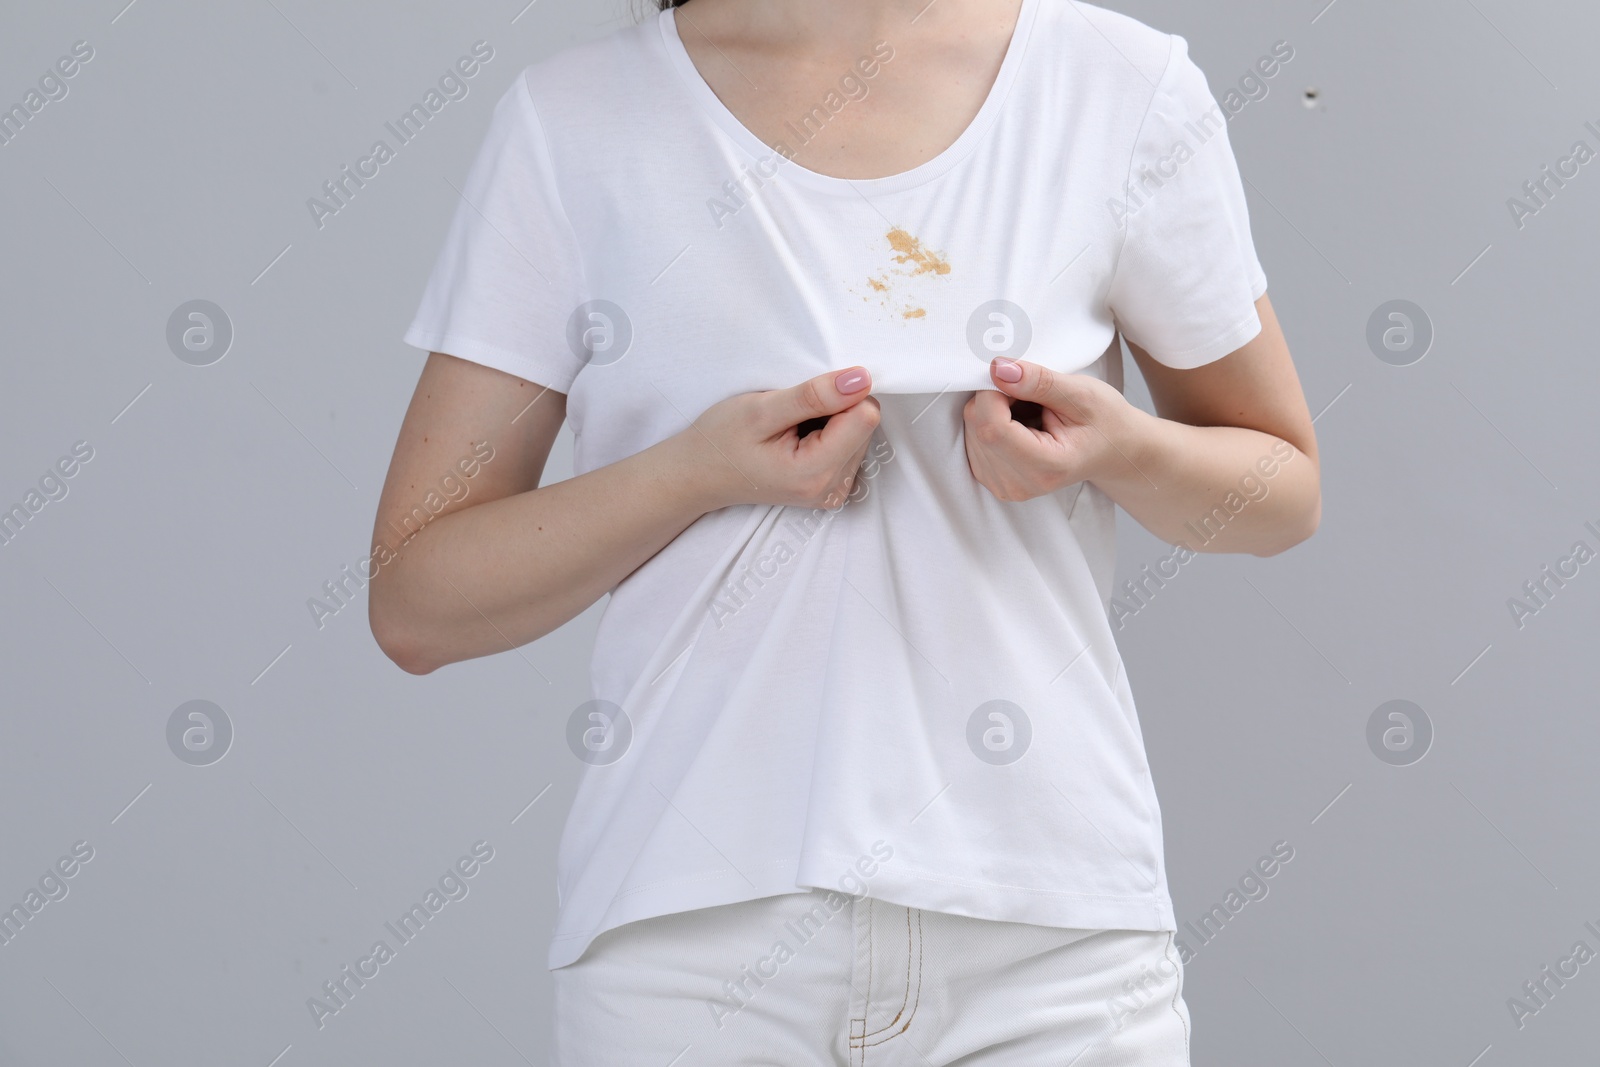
x=1420, y=898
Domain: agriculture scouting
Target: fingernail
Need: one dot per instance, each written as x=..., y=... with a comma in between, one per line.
x=851, y=381
x=1007, y=370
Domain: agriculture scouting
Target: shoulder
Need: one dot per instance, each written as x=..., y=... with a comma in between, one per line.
x=597, y=76
x=1103, y=43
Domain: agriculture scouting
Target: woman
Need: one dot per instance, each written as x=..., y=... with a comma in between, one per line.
x=831, y=292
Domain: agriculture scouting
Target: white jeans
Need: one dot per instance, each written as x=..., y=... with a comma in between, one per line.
x=821, y=979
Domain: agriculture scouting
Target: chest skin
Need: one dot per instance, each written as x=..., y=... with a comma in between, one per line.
x=929, y=77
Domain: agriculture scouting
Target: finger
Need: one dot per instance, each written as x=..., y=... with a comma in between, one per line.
x=846, y=472
x=1059, y=392
x=981, y=462
x=1054, y=424
x=854, y=422
x=818, y=397
x=988, y=401
x=1004, y=455
x=989, y=422
x=1006, y=473
x=850, y=473
x=988, y=406
x=845, y=432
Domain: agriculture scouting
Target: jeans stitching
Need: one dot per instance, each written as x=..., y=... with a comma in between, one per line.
x=859, y=1043
x=905, y=995
x=866, y=1007
x=910, y=942
x=1176, y=992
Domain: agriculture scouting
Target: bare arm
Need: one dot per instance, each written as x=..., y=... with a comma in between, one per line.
x=508, y=561
x=1227, y=464
x=1233, y=434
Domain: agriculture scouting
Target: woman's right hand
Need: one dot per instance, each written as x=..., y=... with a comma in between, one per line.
x=749, y=449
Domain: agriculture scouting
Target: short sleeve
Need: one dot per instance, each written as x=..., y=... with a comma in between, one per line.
x=509, y=276
x=1187, y=277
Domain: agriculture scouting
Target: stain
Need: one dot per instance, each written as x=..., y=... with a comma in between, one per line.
x=909, y=250
x=913, y=259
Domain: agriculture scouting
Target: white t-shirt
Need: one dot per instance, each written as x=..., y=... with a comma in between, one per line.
x=809, y=697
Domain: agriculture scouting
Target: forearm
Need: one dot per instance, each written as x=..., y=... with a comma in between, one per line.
x=500, y=574
x=1212, y=488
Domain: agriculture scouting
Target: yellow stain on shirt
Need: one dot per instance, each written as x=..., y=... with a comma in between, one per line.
x=910, y=250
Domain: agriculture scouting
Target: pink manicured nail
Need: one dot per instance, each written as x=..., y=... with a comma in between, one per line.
x=1007, y=370
x=851, y=381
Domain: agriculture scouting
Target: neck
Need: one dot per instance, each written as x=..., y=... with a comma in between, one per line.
x=822, y=22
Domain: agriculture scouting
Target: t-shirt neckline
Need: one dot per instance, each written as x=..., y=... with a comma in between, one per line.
x=988, y=112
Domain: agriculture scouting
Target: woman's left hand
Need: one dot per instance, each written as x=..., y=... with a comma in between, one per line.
x=1066, y=428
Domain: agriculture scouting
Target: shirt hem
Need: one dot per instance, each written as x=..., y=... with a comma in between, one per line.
x=1000, y=902
x=690, y=892
x=972, y=898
